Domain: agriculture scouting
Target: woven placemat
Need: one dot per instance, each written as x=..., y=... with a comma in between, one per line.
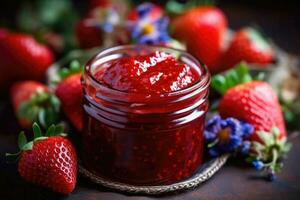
x=204, y=173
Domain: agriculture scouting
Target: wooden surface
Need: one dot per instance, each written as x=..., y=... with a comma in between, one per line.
x=234, y=181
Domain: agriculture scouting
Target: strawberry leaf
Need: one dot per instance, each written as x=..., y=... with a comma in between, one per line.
x=269, y=151
x=36, y=130
x=175, y=7
x=22, y=140
x=42, y=117
x=43, y=108
x=50, y=131
x=238, y=75
x=59, y=129
x=74, y=68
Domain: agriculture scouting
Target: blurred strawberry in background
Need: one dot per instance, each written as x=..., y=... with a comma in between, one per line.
x=70, y=93
x=203, y=30
x=33, y=102
x=99, y=3
x=22, y=57
x=250, y=46
x=88, y=36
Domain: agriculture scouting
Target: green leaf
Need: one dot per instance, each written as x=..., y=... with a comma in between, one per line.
x=42, y=117
x=28, y=111
x=63, y=72
x=36, y=130
x=75, y=65
x=12, y=157
x=59, y=129
x=22, y=140
x=238, y=75
x=74, y=68
x=175, y=7
x=275, y=133
x=231, y=79
x=54, y=101
x=51, y=130
x=218, y=82
x=265, y=137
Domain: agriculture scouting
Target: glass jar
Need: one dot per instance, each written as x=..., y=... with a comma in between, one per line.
x=143, y=139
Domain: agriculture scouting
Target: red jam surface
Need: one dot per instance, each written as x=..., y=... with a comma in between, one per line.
x=143, y=141
x=154, y=73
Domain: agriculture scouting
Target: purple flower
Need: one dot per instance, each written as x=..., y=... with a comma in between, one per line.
x=227, y=136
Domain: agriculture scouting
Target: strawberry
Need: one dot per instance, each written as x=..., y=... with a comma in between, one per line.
x=69, y=91
x=256, y=103
x=247, y=45
x=49, y=160
x=98, y=3
x=203, y=30
x=24, y=57
x=32, y=102
x=88, y=35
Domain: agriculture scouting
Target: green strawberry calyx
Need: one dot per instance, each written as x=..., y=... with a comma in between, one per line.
x=269, y=152
x=43, y=107
x=174, y=7
x=238, y=75
x=74, y=68
x=38, y=135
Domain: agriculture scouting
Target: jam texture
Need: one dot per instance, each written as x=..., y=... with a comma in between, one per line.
x=137, y=130
x=157, y=72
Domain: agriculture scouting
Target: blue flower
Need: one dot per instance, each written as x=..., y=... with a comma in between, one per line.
x=245, y=148
x=258, y=165
x=151, y=26
x=227, y=136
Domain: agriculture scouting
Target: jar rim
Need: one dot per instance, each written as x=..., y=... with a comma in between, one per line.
x=202, y=83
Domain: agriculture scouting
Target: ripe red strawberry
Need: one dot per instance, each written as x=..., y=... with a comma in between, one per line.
x=256, y=103
x=88, y=35
x=203, y=30
x=49, y=160
x=32, y=102
x=99, y=3
x=247, y=45
x=69, y=91
x=24, y=57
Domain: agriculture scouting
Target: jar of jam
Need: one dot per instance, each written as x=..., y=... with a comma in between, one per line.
x=145, y=111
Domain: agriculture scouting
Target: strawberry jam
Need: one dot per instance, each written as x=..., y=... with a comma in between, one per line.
x=144, y=114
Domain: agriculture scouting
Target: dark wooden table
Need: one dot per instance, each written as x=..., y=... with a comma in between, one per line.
x=232, y=182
